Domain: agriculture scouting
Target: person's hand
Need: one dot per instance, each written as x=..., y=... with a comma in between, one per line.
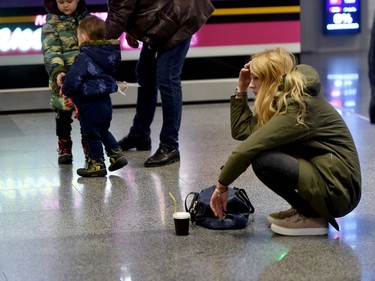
x=60, y=78
x=122, y=85
x=68, y=101
x=244, y=78
x=219, y=199
x=132, y=42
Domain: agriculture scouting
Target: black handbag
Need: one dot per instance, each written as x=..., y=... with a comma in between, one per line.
x=239, y=208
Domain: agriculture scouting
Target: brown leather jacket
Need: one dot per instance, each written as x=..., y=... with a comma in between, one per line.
x=162, y=24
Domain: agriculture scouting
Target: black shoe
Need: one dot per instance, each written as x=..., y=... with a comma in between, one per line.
x=163, y=156
x=141, y=144
x=372, y=110
x=117, y=159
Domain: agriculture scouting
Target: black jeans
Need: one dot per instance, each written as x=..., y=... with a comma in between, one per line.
x=63, y=124
x=279, y=172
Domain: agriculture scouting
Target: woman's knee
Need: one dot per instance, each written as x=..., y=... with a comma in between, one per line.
x=276, y=163
x=261, y=162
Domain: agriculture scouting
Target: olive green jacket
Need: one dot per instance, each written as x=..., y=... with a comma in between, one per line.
x=329, y=169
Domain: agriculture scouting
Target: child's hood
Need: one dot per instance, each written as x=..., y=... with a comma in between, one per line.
x=105, y=53
x=51, y=7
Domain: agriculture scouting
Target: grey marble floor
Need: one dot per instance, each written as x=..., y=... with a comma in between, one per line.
x=57, y=226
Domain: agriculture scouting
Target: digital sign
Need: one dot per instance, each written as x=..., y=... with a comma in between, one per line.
x=236, y=29
x=21, y=35
x=342, y=16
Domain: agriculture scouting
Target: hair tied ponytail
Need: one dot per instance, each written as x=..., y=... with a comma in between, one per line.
x=282, y=83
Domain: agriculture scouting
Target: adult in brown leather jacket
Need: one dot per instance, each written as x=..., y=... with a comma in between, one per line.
x=165, y=27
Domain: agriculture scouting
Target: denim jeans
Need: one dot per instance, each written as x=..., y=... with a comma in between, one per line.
x=160, y=71
x=95, y=120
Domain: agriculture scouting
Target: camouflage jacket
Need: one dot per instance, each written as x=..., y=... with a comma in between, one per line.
x=60, y=47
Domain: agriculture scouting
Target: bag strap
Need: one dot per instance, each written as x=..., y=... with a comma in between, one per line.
x=243, y=195
x=192, y=202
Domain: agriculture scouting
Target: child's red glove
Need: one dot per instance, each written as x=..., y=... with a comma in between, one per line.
x=76, y=116
x=68, y=102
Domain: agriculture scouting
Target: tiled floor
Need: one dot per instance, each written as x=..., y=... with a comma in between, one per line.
x=57, y=226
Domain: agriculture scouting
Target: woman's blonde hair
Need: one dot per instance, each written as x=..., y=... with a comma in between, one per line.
x=281, y=83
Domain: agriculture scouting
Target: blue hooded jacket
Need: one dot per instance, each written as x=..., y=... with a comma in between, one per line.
x=91, y=77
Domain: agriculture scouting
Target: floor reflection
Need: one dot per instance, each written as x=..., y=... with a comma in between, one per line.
x=306, y=261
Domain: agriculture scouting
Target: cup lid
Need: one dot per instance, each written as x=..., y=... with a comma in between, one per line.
x=181, y=215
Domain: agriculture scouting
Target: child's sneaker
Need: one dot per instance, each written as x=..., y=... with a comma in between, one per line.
x=275, y=217
x=65, y=151
x=93, y=168
x=298, y=224
x=117, y=159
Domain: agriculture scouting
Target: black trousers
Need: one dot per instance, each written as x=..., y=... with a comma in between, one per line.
x=279, y=172
x=371, y=66
x=63, y=124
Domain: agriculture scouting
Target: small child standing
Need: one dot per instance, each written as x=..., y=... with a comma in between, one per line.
x=89, y=83
x=60, y=46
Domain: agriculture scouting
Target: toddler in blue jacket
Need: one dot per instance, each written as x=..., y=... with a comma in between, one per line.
x=89, y=83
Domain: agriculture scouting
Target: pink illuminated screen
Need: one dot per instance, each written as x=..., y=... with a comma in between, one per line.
x=28, y=41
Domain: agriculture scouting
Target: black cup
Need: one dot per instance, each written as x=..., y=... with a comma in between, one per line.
x=181, y=222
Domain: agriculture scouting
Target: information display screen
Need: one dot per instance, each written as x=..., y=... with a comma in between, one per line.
x=236, y=29
x=342, y=16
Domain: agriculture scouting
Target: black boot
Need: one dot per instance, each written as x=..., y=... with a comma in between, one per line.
x=129, y=142
x=372, y=110
x=163, y=156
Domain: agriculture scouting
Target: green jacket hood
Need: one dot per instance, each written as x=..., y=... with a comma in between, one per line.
x=51, y=7
x=312, y=78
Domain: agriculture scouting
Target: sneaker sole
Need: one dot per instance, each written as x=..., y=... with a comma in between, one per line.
x=92, y=174
x=298, y=231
